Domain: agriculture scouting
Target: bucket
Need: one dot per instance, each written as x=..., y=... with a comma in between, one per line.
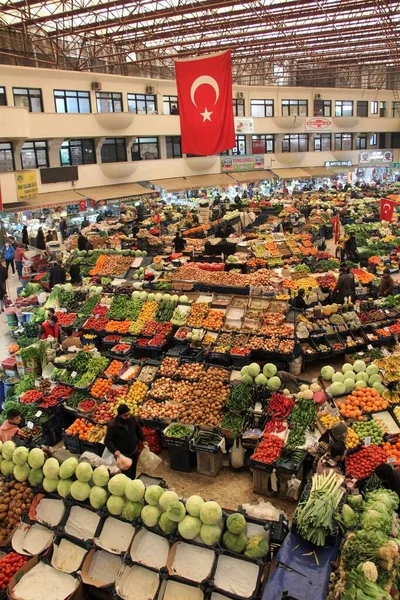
x=11, y=319
x=9, y=385
x=295, y=366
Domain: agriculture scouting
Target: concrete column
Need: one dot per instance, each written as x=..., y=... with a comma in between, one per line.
x=54, y=146
x=17, y=147
x=278, y=142
x=98, y=142
x=162, y=145
x=129, y=142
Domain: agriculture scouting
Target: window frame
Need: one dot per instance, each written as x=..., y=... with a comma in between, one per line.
x=323, y=136
x=81, y=143
x=265, y=103
x=64, y=98
x=340, y=136
x=112, y=99
x=362, y=104
x=172, y=140
x=115, y=144
x=236, y=102
x=374, y=137
x=139, y=143
x=324, y=103
x=395, y=108
x=10, y=149
x=339, y=104
x=300, y=137
x=295, y=104
x=144, y=98
x=35, y=151
x=170, y=104
x=29, y=96
x=374, y=107
x=263, y=137
x=361, y=141
x=4, y=94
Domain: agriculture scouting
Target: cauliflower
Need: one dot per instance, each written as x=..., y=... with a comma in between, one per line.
x=394, y=532
x=314, y=387
x=370, y=571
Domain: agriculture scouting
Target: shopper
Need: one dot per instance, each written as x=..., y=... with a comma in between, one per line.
x=179, y=242
x=82, y=242
x=333, y=460
x=50, y=328
x=75, y=274
x=350, y=247
x=57, y=275
x=11, y=425
x=123, y=436
x=387, y=284
x=299, y=302
x=71, y=340
x=85, y=223
x=9, y=253
x=25, y=236
x=40, y=241
x=338, y=433
x=345, y=286
x=389, y=477
x=63, y=228
x=49, y=236
x=3, y=285
x=19, y=257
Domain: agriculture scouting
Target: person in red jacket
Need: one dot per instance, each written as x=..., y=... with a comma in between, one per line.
x=11, y=425
x=19, y=256
x=50, y=328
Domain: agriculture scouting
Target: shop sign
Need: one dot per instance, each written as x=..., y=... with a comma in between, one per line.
x=26, y=182
x=376, y=157
x=258, y=145
x=244, y=125
x=319, y=124
x=242, y=163
x=338, y=163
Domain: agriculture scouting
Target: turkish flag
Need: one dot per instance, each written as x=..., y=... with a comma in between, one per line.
x=82, y=205
x=205, y=104
x=387, y=208
x=335, y=223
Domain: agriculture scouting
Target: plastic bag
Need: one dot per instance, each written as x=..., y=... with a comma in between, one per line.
x=293, y=488
x=263, y=510
x=123, y=462
x=148, y=461
x=237, y=454
x=108, y=458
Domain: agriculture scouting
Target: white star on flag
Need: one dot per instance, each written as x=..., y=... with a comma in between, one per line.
x=206, y=115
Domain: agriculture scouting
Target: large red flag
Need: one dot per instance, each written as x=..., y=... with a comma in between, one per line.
x=387, y=208
x=205, y=104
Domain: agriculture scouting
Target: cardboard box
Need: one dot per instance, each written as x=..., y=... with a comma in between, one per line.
x=84, y=573
x=26, y=568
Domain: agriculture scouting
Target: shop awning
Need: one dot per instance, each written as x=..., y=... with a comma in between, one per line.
x=108, y=192
x=215, y=180
x=318, y=171
x=175, y=184
x=247, y=176
x=49, y=200
x=294, y=173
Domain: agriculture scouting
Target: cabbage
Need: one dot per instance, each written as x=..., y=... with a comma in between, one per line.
x=349, y=517
x=51, y=468
x=35, y=477
x=356, y=501
x=193, y=505
x=101, y=476
x=176, y=511
x=361, y=383
x=373, y=379
x=244, y=370
x=327, y=373
x=359, y=365
x=234, y=543
x=134, y=490
x=153, y=494
x=80, y=491
x=379, y=387
x=261, y=379
x=20, y=455
x=372, y=370
x=236, y=523
x=50, y=485
x=131, y=510
x=210, y=513
x=350, y=375
x=115, y=505
x=36, y=458
x=254, y=369
x=346, y=368
x=337, y=377
x=349, y=384
x=337, y=389
x=361, y=376
x=68, y=468
x=64, y=487
x=166, y=498
x=166, y=525
x=257, y=547
x=274, y=383
x=117, y=484
x=189, y=527
x=184, y=299
x=7, y=467
x=97, y=497
x=210, y=534
x=247, y=378
x=84, y=472
x=7, y=450
x=21, y=472
x=269, y=370
x=150, y=515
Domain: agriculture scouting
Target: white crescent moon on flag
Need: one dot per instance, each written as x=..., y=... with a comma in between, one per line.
x=386, y=207
x=204, y=80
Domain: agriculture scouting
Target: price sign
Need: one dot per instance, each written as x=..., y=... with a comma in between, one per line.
x=391, y=460
x=73, y=374
x=367, y=441
x=38, y=414
x=370, y=347
x=63, y=310
x=37, y=383
x=29, y=425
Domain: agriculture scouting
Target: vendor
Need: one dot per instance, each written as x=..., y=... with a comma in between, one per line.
x=179, y=242
x=350, y=247
x=123, y=436
x=387, y=284
x=338, y=433
x=333, y=460
x=50, y=328
x=298, y=301
x=389, y=477
x=85, y=223
x=219, y=232
x=345, y=286
x=57, y=275
x=71, y=340
x=82, y=242
x=11, y=425
x=75, y=274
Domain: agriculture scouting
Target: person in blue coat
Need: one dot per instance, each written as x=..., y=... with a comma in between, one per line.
x=9, y=253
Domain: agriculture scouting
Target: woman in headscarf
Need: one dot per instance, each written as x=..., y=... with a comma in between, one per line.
x=338, y=433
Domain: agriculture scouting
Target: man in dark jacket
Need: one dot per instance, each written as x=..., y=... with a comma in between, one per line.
x=123, y=436
x=345, y=286
x=3, y=285
x=57, y=275
x=82, y=242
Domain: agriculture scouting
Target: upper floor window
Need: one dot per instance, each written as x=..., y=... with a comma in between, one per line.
x=113, y=150
x=30, y=98
x=173, y=143
x=343, y=141
x=241, y=147
x=395, y=109
x=373, y=140
x=142, y=104
x=77, y=152
x=295, y=142
x=382, y=109
x=362, y=108
x=263, y=143
x=6, y=157
x=108, y=102
x=170, y=105
x=322, y=142
x=145, y=148
x=34, y=155
x=238, y=107
x=374, y=107
x=343, y=108
x=322, y=108
x=3, y=97
x=262, y=108
x=294, y=108
x=68, y=101
x=361, y=141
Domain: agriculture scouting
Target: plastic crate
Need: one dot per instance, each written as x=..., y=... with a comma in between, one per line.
x=95, y=447
x=209, y=463
x=181, y=460
x=262, y=483
x=72, y=443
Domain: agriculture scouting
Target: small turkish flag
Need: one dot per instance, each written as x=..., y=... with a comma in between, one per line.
x=205, y=104
x=82, y=205
x=335, y=223
x=387, y=208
